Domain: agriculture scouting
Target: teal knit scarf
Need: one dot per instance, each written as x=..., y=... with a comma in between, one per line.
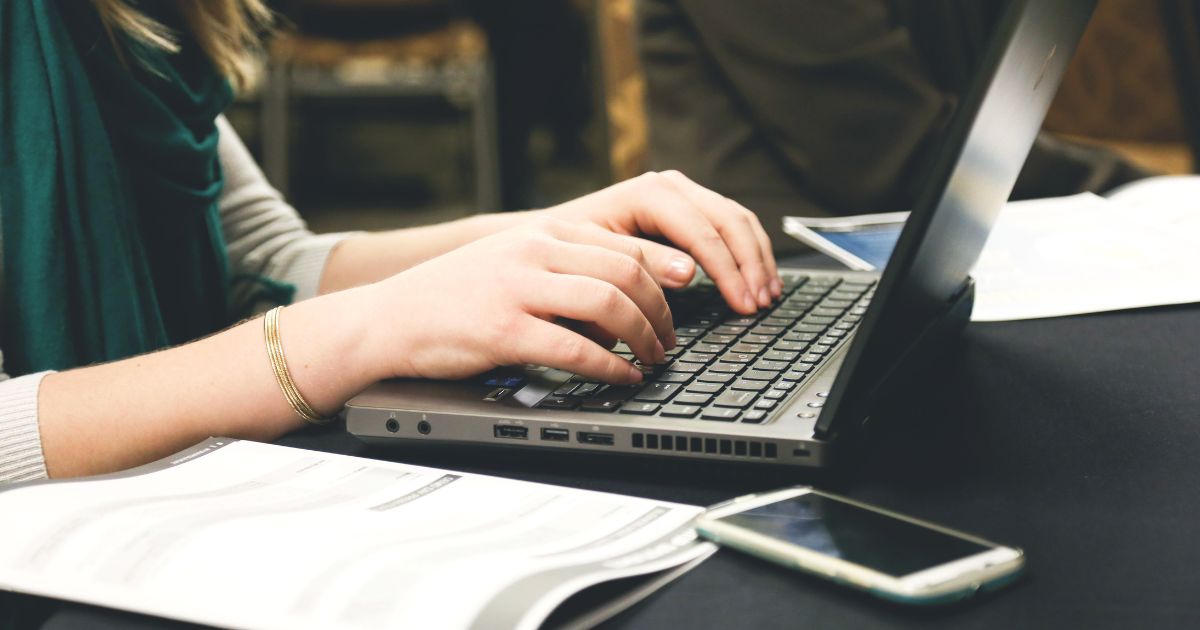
x=109, y=181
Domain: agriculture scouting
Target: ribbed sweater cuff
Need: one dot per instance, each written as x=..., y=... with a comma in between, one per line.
x=304, y=268
x=21, y=456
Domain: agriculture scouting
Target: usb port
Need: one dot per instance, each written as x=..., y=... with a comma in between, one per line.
x=587, y=437
x=556, y=435
x=512, y=432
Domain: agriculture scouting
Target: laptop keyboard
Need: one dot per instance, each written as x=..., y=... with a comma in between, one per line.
x=729, y=367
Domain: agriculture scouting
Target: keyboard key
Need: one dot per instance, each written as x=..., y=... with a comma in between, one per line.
x=781, y=355
x=600, y=405
x=782, y=322
x=710, y=348
x=817, y=320
x=696, y=357
x=845, y=326
x=724, y=415
x=790, y=346
x=830, y=340
x=673, y=377
x=688, y=331
x=812, y=358
x=657, y=392
x=640, y=408
x=763, y=329
x=749, y=385
x=693, y=399
x=684, y=366
x=784, y=385
x=704, y=388
x=716, y=338
x=831, y=302
x=725, y=366
x=817, y=348
x=741, y=321
x=715, y=377
x=770, y=366
x=759, y=339
x=748, y=348
x=735, y=399
x=824, y=311
x=787, y=313
x=760, y=375
x=793, y=375
x=726, y=329
x=680, y=411
x=737, y=357
x=800, y=337
x=755, y=416
x=559, y=402
x=765, y=403
x=565, y=389
x=775, y=394
x=809, y=328
x=587, y=389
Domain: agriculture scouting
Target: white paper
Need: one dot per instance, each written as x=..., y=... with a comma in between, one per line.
x=260, y=536
x=1081, y=254
x=1088, y=254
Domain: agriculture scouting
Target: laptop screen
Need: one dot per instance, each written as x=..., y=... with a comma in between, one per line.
x=983, y=151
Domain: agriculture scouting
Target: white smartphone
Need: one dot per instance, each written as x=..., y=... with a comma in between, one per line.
x=889, y=555
x=862, y=242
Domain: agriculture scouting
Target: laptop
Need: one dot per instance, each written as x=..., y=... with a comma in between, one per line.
x=786, y=385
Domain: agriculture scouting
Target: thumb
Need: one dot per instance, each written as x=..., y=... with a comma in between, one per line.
x=671, y=267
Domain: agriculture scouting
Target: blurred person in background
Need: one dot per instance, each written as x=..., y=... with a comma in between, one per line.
x=827, y=108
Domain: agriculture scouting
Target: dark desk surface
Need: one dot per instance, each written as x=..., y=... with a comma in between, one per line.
x=1077, y=439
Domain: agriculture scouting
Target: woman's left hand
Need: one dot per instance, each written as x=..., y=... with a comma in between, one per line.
x=726, y=238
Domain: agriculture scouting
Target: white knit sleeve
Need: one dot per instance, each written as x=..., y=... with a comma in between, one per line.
x=264, y=235
x=21, y=456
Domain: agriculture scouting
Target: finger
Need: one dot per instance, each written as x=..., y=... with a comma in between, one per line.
x=593, y=332
x=659, y=208
x=736, y=227
x=772, y=266
x=667, y=265
x=544, y=343
x=671, y=267
x=621, y=271
x=592, y=300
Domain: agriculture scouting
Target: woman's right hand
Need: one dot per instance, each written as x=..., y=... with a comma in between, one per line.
x=500, y=301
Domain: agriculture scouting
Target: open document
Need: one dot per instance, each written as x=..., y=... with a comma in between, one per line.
x=242, y=534
x=1063, y=256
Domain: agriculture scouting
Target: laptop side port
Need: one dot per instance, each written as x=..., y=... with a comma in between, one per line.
x=556, y=435
x=511, y=432
x=588, y=437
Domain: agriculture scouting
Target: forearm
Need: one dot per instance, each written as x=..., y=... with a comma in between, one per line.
x=121, y=414
x=369, y=258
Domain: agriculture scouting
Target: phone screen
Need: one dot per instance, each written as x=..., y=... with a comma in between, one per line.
x=864, y=537
x=872, y=243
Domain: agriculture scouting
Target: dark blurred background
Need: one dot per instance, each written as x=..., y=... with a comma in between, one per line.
x=375, y=114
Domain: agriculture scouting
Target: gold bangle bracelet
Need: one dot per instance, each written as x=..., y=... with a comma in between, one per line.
x=283, y=376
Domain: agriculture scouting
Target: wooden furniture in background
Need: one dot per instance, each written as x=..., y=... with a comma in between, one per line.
x=450, y=61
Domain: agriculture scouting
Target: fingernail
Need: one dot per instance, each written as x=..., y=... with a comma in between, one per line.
x=764, y=298
x=748, y=301
x=680, y=269
x=776, y=287
x=635, y=375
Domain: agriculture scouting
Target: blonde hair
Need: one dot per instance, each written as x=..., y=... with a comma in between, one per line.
x=229, y=31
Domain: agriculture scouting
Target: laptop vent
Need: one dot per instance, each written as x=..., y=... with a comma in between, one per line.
x=706, y=446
